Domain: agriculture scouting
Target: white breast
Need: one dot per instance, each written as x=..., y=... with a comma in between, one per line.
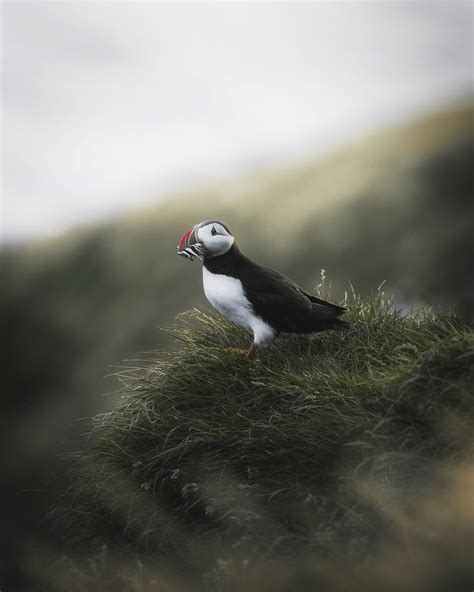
x=226, y=294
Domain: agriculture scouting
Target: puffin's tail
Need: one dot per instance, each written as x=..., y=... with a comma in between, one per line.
x=332, y=324
x=339, y=325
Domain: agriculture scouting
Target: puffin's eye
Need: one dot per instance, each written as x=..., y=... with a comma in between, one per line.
x=213, y=231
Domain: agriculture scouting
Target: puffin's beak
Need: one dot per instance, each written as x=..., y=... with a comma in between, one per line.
x=188, y=246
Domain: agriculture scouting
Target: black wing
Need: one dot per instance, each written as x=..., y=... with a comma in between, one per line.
x=284, y=304
x=338, y=310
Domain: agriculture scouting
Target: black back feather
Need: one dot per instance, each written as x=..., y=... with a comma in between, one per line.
x=275, y=298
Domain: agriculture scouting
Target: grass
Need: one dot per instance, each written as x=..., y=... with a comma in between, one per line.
x=318, y=456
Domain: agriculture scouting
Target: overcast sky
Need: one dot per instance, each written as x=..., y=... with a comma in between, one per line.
x=106, y=105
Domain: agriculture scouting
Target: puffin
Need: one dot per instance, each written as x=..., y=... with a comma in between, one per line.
x=253, y=296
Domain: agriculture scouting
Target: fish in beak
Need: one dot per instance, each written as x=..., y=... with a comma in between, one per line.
x=188, y=246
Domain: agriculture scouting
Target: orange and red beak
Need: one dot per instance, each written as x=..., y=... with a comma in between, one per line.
x=188, y=245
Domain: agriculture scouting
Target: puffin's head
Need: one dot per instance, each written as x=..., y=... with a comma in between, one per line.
x=206, y=239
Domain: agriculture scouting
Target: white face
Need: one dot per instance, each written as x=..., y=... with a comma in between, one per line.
x=215, y=238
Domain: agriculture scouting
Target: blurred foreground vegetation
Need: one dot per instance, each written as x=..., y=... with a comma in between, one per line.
x=395, y=206
x=322, y=464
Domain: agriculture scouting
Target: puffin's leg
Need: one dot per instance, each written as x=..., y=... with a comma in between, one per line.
x=246, y=351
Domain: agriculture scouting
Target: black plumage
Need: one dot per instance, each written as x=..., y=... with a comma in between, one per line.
x=276, y=299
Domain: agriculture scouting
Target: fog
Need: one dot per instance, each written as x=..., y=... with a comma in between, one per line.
x=107, y=105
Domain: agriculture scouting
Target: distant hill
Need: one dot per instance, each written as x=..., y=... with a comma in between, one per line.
x=396, y=206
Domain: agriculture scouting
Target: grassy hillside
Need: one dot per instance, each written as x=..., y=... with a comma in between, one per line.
x=395, y=206
x=318, y=456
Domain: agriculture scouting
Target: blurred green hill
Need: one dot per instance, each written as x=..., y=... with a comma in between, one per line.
x=396, y=206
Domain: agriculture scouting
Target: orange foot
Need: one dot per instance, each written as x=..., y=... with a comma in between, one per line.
x=247, y=352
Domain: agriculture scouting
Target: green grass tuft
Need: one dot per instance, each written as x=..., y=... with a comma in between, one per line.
x=211, y=455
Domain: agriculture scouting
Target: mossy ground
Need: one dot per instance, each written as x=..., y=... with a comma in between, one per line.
x=314, y=448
